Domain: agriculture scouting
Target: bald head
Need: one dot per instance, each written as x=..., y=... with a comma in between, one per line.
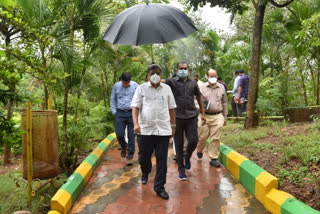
x=212, y=73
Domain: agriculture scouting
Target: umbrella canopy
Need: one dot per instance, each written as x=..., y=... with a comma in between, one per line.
x=149, y=24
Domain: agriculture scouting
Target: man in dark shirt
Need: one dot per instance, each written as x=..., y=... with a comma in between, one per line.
x=184, y=89
x=223, y=83
x=243, y=92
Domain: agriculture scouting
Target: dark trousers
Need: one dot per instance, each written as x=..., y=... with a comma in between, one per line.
x=234, y=108
x=123, y=120
x=241, y=108
x=160, y=144
x=190, y=128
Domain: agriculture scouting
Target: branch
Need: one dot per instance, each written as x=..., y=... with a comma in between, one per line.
x=254, y=4
x=280, y=5
x=16, y=37
x=293, y=13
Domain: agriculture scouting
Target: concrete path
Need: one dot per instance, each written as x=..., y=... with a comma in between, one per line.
x=115, y=188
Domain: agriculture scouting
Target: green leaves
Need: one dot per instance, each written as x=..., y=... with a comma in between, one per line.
x=7, y=3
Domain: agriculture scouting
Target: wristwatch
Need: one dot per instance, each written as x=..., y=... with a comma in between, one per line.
x=173, y=125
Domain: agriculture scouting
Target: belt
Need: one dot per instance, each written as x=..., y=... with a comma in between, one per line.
x=125, y=110
x=213, y=113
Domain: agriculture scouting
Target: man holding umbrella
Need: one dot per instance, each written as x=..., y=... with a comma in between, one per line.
x=184, y=90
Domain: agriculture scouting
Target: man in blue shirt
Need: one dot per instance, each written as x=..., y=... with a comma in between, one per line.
x=243, y=92
x=121, y=97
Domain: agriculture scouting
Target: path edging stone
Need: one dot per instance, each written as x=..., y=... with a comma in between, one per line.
x=68, y=193
x=261, y=184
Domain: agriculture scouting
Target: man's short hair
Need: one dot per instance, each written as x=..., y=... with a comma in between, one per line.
x=154, y=67
x=125, y=76
x=196, y=75
x=219, y=78
x=241, y=72
x=236, y=72
x=182, y=63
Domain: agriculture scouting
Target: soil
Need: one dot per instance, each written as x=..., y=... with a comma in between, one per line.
x=308, y=192
x=16, y=164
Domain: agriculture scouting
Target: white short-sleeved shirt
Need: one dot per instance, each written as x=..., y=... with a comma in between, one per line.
x=154, y=105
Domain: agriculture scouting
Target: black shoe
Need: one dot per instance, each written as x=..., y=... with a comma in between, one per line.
x=200, y=155
x=163, y=194
x=187, y=163
x=123, y=152
x=215, y=163
x=144, y=179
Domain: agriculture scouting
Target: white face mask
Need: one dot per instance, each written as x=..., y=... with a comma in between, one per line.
x=212, y=80
x=155, y=79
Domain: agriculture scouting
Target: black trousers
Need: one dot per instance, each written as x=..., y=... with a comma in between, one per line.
x=234, y=108
x=160, y=144
x=190, y=128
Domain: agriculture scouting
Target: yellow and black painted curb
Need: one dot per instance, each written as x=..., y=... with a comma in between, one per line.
x=68, y=193
x=261, y=184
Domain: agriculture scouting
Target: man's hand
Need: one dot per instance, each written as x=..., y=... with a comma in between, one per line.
x=225, y=123
x=203, y=119
x=136, y=129
x=173, y=128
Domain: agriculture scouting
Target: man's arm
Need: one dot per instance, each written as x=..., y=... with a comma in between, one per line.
x=202, y=110
x=113, y=101
x=225, y=107
x=240, y=89
x=235, y=86
x=172, y=113
x=135, y=115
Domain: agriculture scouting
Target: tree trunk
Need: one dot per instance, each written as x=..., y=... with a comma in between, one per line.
x=64, y=121
x=318, y=78
x=303, y=88
x=300, y=68
x=252, y=121
x=7, y=150
x=314, y=88
x=84, y=69
x=46, y=97
x=115, y=71
x=65, y=100
x=104, y=92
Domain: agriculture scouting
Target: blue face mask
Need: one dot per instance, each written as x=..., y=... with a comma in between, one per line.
x=183, y=73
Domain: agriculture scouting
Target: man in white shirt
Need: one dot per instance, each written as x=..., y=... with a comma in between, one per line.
x=235, y=93
x=153, y=111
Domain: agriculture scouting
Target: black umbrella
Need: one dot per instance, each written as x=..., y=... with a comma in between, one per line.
x=149, y=24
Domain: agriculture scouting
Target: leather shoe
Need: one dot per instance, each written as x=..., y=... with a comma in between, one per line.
x=123, y=152
x=200, y=155
x=144, y=179
x=215, y=163
x=163, y=194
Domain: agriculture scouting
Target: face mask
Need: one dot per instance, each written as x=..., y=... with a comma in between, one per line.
x=155, y=79
x=183, y=73
x=212, y=80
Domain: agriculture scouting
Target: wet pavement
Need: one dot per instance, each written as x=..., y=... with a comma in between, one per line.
x=116, y=188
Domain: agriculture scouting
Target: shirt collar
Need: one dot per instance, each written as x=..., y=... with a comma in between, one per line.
x=217, y=85
x=149, y=84
x=188, y=79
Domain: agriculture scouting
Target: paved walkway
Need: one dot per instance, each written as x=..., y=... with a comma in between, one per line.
x=116, y=188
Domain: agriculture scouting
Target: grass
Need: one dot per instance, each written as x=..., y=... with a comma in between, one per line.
x=302, y=148
x=14, y=196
